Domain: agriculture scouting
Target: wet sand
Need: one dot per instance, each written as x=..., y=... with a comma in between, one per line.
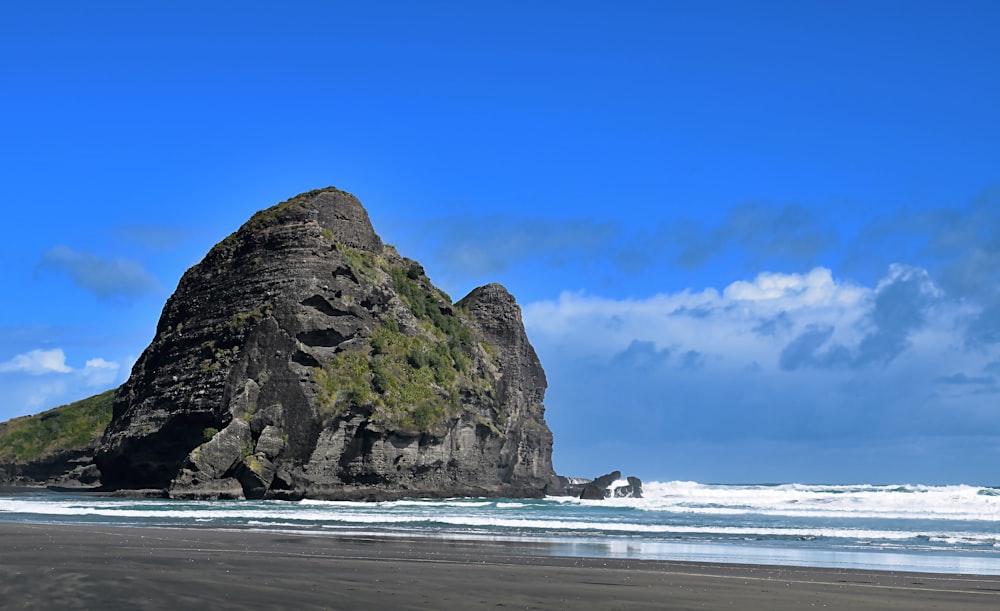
x=43, y=566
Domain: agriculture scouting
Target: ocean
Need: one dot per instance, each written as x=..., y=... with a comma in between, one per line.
x=942, y=529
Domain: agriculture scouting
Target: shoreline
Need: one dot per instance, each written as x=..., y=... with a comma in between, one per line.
x=797, y=548
x=85, y=566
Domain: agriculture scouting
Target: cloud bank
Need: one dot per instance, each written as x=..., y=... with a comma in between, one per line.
x=780, y=358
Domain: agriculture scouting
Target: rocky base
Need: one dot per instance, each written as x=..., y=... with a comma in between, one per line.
x=73, y=469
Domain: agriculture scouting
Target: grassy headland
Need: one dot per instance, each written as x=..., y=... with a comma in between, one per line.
x=70, y=427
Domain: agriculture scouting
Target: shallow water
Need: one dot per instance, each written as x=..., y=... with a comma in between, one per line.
x=950, y=529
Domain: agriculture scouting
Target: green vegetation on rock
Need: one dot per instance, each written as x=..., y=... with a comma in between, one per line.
x=362, y=262
x=240, y=322
x=344, y=381
x=409, y=382
x=70, y=427
x=425, y=303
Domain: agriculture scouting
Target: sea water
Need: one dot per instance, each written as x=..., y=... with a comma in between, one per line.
x=948, y=529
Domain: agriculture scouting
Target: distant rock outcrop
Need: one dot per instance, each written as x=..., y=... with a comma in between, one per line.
x=632, y=490
x=603, y=487
x=305, y=358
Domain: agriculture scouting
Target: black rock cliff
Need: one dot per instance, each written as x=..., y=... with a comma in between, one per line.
x=305, y=358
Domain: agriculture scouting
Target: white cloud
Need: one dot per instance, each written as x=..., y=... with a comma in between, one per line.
x=99, y=372
x=747, y=324
x=41, y=379
x=790, y=291
x=100, y=363
x=37, y=362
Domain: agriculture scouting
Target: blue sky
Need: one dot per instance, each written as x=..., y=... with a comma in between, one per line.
x=753, y=242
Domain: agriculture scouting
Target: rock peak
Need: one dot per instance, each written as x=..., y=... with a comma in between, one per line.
x=338, y=214
x=342, y=214
x=493, y=291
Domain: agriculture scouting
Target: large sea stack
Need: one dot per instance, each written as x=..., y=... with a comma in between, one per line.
x=305, y=358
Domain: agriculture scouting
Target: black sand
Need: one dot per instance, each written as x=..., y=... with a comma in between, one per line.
x=99, y=567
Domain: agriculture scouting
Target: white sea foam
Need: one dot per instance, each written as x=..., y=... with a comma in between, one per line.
x=861, y=501
x=474, y=516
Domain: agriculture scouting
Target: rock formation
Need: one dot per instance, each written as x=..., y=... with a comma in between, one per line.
x=305, y=358
x=603, y=487
x=631, y=490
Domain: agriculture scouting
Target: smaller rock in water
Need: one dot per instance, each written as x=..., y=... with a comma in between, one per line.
x=606, y=480
x=592, y=492
x=600, y=488
x=633, y=490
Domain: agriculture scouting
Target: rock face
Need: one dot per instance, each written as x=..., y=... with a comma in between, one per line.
x=304, y=358
x=67, y=469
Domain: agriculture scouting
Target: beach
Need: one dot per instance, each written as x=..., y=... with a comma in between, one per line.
x=108, y=567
